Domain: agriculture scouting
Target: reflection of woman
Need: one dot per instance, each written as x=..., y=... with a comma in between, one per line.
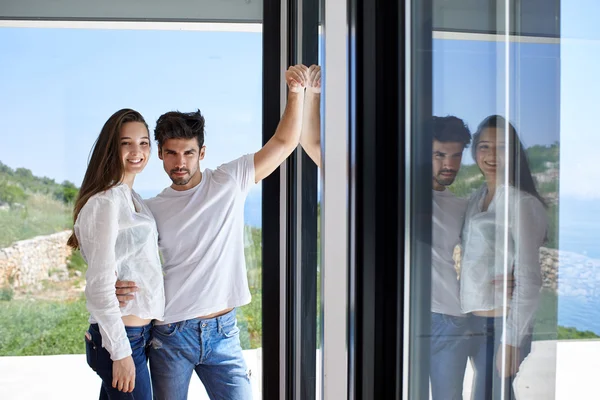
x=117, y=236
x=505, y=225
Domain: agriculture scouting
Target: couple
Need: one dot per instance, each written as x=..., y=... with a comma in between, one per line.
x=177, y=260
x=467, y=304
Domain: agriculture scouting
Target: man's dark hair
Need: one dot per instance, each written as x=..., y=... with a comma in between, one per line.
x=450, y=129
x=179, y=125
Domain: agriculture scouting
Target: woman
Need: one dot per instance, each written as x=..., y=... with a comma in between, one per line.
x=505, y=225
x=117, y=236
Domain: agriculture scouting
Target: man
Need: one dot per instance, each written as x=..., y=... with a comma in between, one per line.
x=449, y=327
x=200, y=222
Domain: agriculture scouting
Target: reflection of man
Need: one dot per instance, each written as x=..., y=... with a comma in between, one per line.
x=200, y=220
x=449, y=341
x=310, y=140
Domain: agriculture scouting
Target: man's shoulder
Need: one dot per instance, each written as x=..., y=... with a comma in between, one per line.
x=159, y=198
x=450, y=196
x=232, y=168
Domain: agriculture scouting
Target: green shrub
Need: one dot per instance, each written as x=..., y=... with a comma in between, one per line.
x=67, y=192
x=12, y=194
x=572, y=333
x=6, y=293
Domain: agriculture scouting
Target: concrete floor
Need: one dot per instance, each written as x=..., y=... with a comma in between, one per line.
x=555, y=370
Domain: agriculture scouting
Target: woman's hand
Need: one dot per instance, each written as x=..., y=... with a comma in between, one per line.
x=124, y=374
x=512, y=360
x=313, y=78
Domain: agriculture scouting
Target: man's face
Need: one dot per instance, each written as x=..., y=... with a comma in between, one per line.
x=446, y=163
x=181, y=161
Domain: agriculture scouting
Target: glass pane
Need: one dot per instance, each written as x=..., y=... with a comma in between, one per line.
x=57, y=89
x=514, y=276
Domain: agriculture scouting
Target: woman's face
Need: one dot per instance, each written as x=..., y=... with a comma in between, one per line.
x=134, y=148
x=489, y=153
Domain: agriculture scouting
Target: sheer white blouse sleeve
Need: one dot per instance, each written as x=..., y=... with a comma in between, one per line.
x=529, y=232
x=97, y=228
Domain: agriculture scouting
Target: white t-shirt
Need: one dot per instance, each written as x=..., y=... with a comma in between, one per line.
x=448, y=216
x=201, y=238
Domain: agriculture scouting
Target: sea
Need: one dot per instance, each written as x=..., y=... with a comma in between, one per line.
x=579, y=265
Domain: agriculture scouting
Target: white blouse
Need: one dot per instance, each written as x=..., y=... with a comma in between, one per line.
x=488, y=254
x=118, y=239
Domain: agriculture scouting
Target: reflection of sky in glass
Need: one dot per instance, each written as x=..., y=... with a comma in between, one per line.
x=553, y=89
x=468, y=81
x=59, y=86
x=580, y=191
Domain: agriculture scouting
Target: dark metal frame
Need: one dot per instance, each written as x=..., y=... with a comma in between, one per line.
x=418, y=193
x=300, y=330
x=380, y=198
x=271, y=275
x=376, y=156
x=309, y=232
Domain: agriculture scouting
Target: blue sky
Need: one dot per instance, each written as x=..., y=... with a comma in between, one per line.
x=58, y=87
x=468, y=82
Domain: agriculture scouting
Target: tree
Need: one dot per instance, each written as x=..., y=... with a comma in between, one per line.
x=67, y=192
x=11, y=194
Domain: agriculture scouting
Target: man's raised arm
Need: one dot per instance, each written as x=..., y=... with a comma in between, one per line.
x=287, y=135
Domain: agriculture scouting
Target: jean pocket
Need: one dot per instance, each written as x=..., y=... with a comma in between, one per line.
x=165, y=330
x=230, y=330
x=91, y=351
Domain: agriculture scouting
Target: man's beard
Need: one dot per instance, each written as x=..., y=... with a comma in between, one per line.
x=183, y=180
x=445, y=181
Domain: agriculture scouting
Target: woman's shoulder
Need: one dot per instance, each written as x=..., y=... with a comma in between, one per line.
x=525, y=201
x=112, y=194
x=108, y=198
x=520, y=195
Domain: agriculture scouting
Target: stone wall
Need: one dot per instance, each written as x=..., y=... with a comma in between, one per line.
x=28, y=262
x=549, y=263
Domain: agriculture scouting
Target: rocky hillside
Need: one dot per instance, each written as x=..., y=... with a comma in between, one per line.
x=31, y=206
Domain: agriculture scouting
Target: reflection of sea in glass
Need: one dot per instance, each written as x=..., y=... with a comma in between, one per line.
x=579, y=292
x=579, y=264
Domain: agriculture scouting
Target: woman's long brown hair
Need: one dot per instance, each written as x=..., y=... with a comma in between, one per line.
x=105, y=168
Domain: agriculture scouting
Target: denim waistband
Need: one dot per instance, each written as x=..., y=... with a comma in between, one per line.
x=209, y=323
x=130, y=329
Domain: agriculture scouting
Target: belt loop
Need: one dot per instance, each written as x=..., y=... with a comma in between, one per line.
x=219, y=324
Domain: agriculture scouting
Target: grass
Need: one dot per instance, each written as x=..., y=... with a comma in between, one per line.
x=46, y=327
x=41, y=215
x=36, y=327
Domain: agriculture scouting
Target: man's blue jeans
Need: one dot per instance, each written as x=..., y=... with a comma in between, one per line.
x=99, y=360
x=449, y=354
x=211, y=347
